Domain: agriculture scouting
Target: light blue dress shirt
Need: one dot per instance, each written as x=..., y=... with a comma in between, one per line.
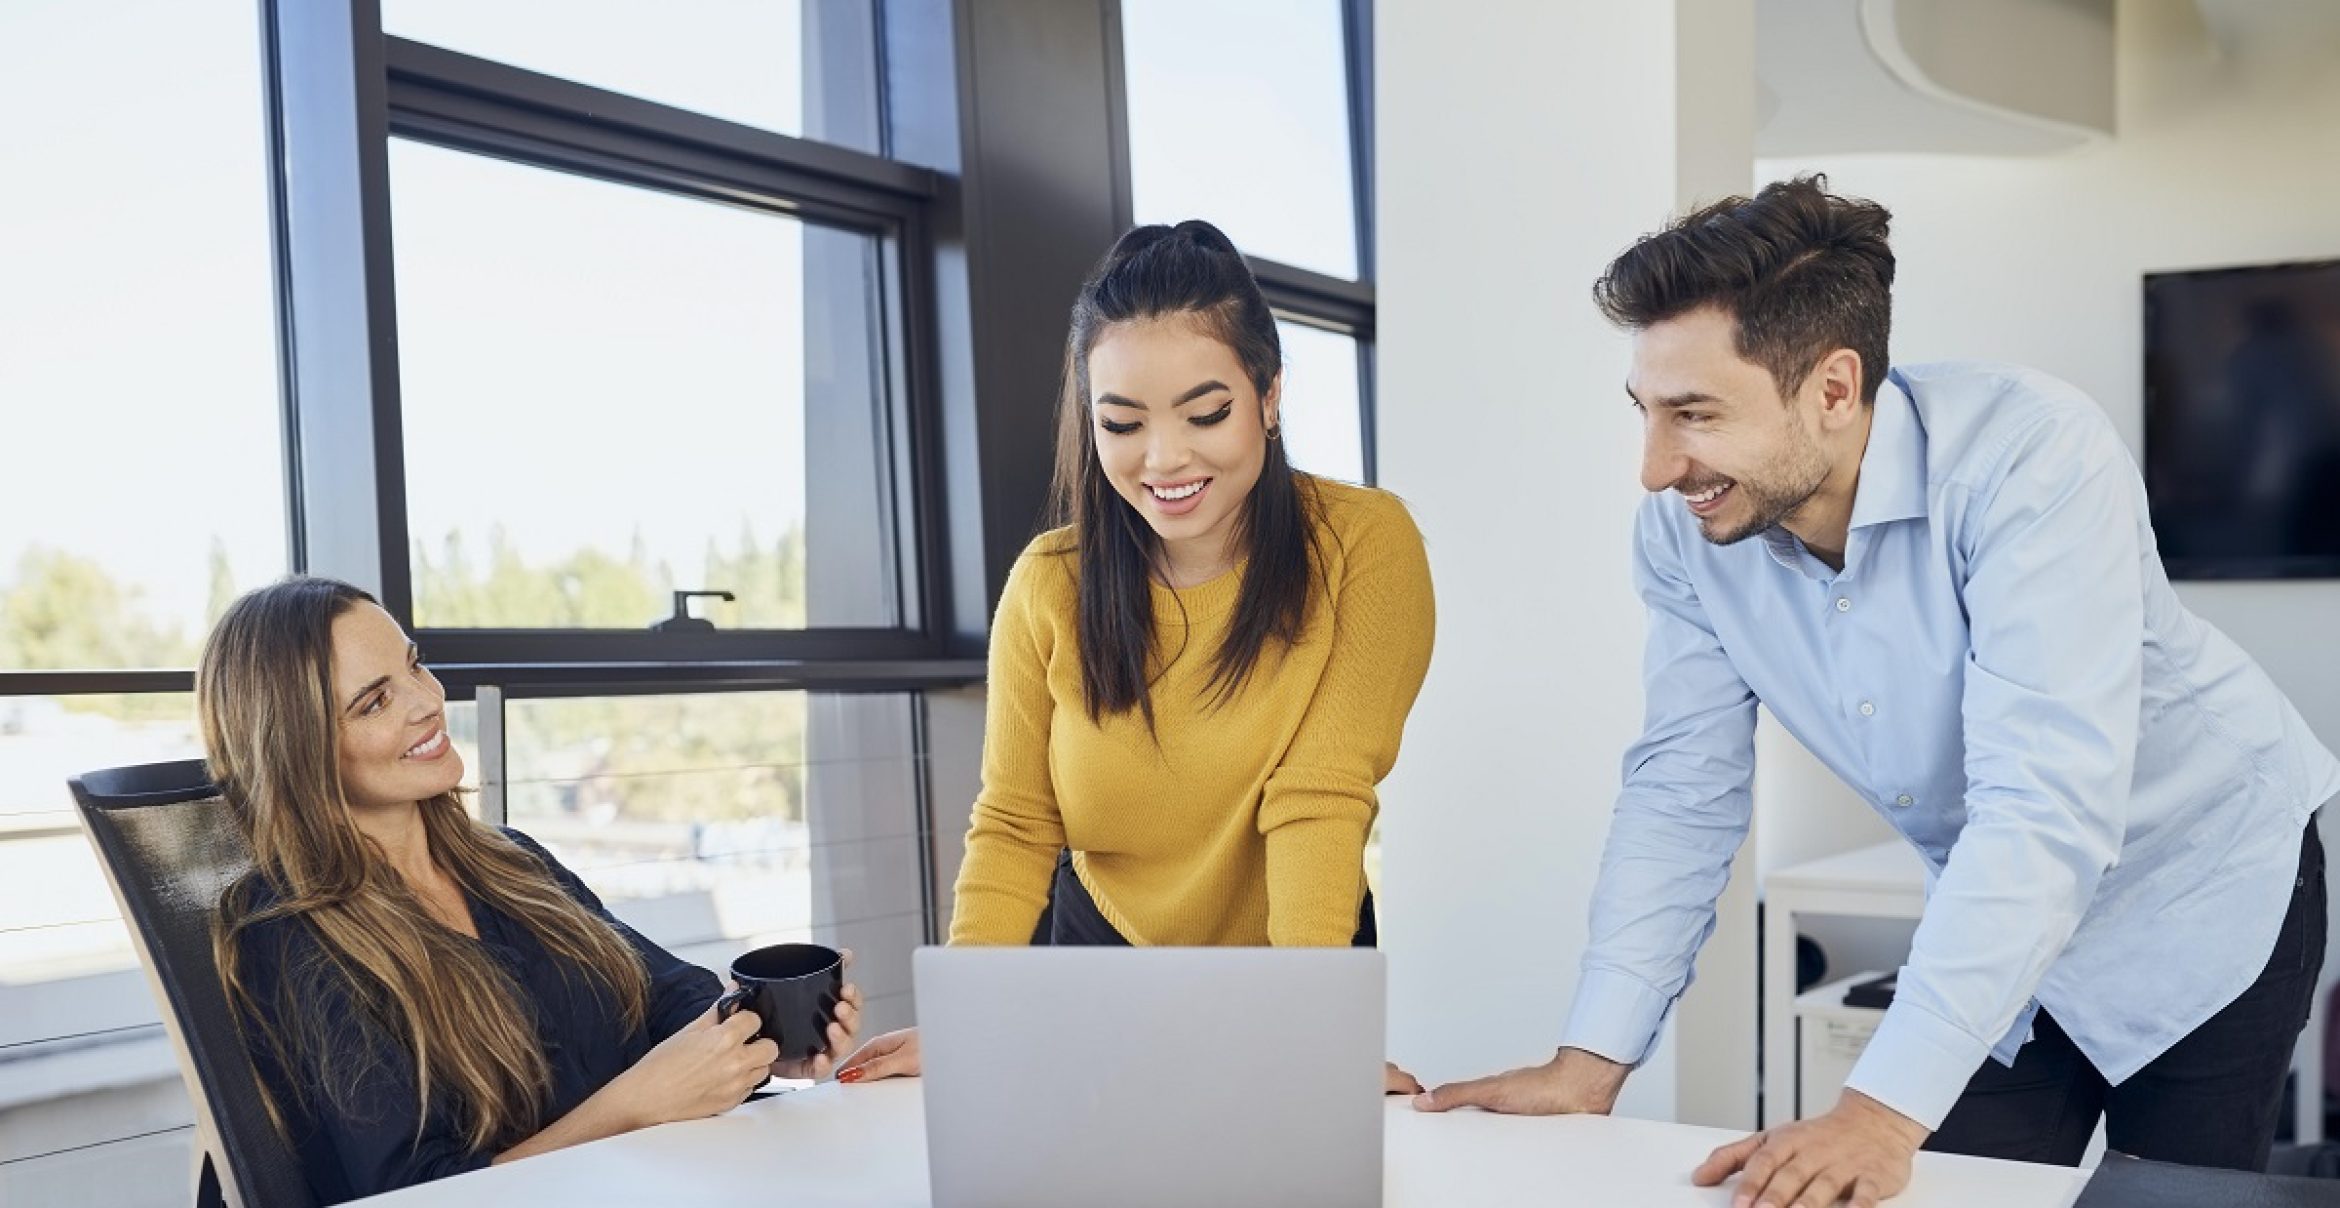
x=2107, y=792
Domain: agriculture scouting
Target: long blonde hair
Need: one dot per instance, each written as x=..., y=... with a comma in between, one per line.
x=264, y=694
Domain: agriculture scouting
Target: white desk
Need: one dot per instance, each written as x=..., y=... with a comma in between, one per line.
x=866, y=1145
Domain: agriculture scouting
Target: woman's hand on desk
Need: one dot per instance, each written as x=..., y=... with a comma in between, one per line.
x=893, y=1055
x=1573, y=1082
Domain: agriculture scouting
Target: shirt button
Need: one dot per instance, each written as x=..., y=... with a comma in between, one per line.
x=1868, y=709
x=1905, y=800
x=1844, y=603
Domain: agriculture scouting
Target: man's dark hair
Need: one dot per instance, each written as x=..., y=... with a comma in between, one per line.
x=1803, y=271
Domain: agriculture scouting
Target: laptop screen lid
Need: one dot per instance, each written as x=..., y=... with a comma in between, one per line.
x=1143, y=1076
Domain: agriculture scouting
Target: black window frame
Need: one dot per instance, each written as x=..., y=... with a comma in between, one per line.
x=335, y=71
x=1011, y=147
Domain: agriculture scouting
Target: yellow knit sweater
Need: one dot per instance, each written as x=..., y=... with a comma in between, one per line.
x=1246, y=824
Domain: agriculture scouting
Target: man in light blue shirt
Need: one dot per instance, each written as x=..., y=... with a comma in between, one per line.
x=1942, y=581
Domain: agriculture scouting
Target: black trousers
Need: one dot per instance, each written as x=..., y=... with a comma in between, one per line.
x=2211, y=1100
x=1072, y=917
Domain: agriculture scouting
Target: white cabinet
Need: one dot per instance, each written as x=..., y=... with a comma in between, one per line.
x=1888, y=881
x=1829, y=1039
x=1885, y=881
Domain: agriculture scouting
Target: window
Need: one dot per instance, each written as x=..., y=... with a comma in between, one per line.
x=574, y=348
x=639, y=350
x=611, y=393
x=1239, y=113
x=715, y=824
x=807, y=68
x=58, y=919
x=142, y=477
x=1322, y=412
x=143, y=488
x=91, y=1106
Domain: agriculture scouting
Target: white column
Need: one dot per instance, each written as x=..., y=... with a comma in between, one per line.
x=1520, y=146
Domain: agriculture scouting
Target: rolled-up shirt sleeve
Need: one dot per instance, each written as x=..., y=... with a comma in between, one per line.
x=1679, y=819
x=2055, y=599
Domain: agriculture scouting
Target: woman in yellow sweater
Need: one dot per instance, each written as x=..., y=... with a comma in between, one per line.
x=1198, y=680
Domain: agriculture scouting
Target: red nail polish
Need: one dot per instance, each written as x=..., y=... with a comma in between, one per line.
x=852, y=1075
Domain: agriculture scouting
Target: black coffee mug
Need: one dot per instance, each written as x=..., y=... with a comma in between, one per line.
x=794, y=989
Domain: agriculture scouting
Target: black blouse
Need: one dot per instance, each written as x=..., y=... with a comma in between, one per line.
x=365, y=1141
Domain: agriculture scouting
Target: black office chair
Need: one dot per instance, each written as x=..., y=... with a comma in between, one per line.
x=170, y=847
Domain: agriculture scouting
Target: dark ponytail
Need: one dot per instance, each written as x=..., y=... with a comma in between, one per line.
x=1191, y=269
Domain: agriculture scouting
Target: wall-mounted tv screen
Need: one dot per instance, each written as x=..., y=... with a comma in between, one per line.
x=2242, y=420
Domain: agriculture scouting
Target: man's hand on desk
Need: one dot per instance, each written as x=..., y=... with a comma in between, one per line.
x=1860, y=1150
x=1573, y=1082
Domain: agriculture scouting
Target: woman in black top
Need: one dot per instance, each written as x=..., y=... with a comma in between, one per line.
x=424, y=994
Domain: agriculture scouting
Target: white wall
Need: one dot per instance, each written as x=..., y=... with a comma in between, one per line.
x=2223, y=155
x=1519, y=147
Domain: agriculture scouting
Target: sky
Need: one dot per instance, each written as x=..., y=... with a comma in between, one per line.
x=1238, y=113
x=137, y=345
x=582, y=363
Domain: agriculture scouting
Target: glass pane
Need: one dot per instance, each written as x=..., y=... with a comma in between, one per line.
x=144, y=1170
x=140, y=348
x=801, y=67
x=58, y=920
x=139, y=1171
x=1239, y=113
x=611, y=393
x=718, y=823
x=1323, y=414
x=89, y=1070
x=90, y=1074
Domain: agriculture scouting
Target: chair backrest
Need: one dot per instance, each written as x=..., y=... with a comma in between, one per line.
x=170, y=847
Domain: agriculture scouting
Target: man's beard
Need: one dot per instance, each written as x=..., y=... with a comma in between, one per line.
x=1785, y=485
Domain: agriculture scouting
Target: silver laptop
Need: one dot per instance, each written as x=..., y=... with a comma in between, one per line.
x=1064, y=1077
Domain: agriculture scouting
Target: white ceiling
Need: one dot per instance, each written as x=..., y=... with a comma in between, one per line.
x=1981, y=77
x=2249, y=26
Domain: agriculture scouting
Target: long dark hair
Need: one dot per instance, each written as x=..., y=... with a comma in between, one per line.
x=1190, y=270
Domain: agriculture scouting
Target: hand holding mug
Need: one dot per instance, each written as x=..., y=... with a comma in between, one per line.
x=801, y=1003
x=707, y=1067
